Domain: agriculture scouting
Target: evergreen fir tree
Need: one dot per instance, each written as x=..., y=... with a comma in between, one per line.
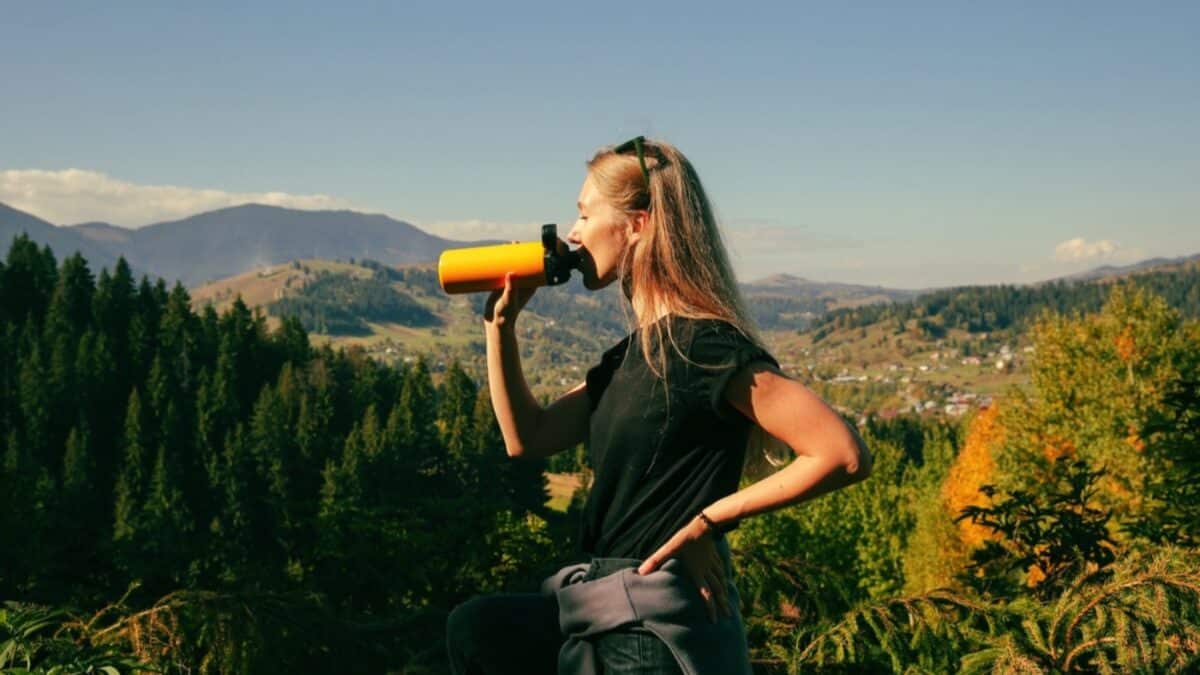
x=78, y=471
x=272, y=446
x=418, y=418
x=179, y=336
x=132, y=481
x=456, y=405
x=167, y=524
x=36, y=403
x=488, y=457
x=68, y=316
x=8, y=363
x=30, y=274
x=70, y=308
x=112, y=309
x=291, y=340
x=233, y=529
x=75, y=541
x=143, y=330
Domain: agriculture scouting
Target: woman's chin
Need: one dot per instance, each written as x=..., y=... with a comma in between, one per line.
x=594, y=283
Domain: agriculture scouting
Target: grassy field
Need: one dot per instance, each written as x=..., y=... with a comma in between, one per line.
x=267, y=284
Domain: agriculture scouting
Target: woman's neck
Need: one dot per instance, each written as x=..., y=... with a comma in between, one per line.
x=648, y=314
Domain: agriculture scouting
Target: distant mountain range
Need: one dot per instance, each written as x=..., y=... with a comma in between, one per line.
x=226, y=242
x=803, y=289
x=62, y=240
x=1120, y=271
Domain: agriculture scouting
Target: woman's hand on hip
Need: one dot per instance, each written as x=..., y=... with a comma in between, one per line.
x=504, y=304
x=696, y=547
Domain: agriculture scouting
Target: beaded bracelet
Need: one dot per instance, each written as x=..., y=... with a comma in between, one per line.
x=713, y=527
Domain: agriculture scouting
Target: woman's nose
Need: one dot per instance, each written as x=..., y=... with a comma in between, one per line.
x=573, y=235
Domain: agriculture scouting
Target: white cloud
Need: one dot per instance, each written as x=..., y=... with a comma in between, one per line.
x=72, y=196
x=1079, y=249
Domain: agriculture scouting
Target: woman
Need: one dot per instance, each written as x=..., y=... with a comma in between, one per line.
x=667, y=414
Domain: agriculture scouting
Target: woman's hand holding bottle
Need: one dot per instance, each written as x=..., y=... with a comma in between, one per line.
x=503, y=305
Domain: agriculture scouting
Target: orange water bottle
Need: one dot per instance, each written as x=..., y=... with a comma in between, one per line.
x=482, y=268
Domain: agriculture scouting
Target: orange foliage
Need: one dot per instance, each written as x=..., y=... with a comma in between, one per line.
x=1126, y=345
x=1034, y=576
x=1134, y=440
x=973, y=468
x=1057, y=448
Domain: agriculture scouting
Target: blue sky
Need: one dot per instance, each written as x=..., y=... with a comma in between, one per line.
x=915, y=146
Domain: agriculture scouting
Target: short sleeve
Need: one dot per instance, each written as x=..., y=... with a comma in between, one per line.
x=601, y=374
x=718, y=352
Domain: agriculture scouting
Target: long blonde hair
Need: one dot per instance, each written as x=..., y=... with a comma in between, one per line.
x=679, y=265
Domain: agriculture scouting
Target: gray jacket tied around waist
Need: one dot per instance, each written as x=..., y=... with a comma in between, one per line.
x=608, y=594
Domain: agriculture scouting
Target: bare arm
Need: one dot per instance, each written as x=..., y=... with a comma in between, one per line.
x=528, y=429
x=829, y=453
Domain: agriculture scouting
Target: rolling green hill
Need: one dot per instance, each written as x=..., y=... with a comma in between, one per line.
x=943, y=351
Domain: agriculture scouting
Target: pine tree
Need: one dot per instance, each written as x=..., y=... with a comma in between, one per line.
x=112, y=310
x=132, y=481
x=291, y=340
x=9, y=356
x=313, y=424
x=80, y=527
x=489, y=459
x=16, y=457
x=23, y=520
x=143, y=330
x=232, y=529
x=418, y=421
x=70, y=309
x=160, y=392
x=314, y=440
x=35, y=400
x=29, y=278
x=238, y=360
x=209, y=336
x=179, y=337
x=167, y=523
x=78, y=471
x=68, y=316
x=456, y=405
x=342, y=551
x=273, y=449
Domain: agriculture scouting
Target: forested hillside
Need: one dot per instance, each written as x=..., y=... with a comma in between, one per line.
x=237, y=491
x=342, y=305
x=192, y=492
x=1013, y=308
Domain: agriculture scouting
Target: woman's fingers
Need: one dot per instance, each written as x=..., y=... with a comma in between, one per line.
x=499, y=302
x=709, y=605
x=489, y=307
x=716, y=584
x=712, y=589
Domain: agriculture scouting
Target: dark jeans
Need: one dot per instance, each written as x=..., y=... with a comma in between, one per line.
x=518, y=634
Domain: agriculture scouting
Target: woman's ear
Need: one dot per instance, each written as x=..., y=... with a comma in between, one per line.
x=638, y=223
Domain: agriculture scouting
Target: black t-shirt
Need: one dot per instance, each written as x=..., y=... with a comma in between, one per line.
x=658, y=462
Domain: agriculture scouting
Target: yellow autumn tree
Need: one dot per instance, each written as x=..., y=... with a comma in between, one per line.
x=972, y=469
x=1095, y=383
x=938, y=548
